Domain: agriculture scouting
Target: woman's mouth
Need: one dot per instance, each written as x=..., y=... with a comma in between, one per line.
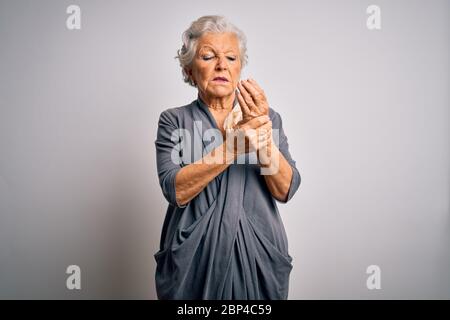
x=220, y=79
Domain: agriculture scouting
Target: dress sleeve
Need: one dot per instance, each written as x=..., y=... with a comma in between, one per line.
x=168, y=157
x=283, y=146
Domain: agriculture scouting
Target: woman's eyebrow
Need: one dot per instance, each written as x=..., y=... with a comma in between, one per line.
x=207, y=46
x=212, y=49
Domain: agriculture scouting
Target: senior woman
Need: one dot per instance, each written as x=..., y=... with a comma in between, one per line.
x=223, y=237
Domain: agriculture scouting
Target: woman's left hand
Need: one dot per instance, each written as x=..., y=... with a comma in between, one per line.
x=252, y=100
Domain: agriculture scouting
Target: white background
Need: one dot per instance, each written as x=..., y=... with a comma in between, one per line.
x=366, y=114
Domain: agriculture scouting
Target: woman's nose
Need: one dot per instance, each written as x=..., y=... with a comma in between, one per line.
x=221, y=63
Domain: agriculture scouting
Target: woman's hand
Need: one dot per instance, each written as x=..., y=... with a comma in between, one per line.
x=252, y=100
x=249, y=136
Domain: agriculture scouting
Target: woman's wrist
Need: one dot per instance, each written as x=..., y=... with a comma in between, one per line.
x=265, y=155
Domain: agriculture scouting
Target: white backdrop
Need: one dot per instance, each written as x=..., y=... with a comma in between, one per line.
x=366, y=113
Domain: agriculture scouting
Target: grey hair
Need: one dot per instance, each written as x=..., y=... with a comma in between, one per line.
x=205, y=24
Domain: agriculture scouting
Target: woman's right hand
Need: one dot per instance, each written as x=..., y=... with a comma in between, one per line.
x=249, y=136
x=252, y=99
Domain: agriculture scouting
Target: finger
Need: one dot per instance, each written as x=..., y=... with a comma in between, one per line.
x=244, y=107
x=265, y=137
x=258, y=95
x=255, y=84
x=247, y=97
x=255, y=93
x=256, y=122
x=266, y=126
x=267, y=134
x=263, y=134
x=258, y=137
x=263, y=144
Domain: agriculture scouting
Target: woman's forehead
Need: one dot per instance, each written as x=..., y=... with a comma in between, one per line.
x=222, y=42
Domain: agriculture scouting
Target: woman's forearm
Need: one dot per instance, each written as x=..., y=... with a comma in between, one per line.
x=193, y=178
x=279, y=179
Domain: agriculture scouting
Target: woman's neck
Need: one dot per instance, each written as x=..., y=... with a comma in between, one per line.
x=219, y=103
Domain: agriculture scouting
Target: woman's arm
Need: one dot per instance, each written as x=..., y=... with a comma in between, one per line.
x=193, y=178
x=277, y=172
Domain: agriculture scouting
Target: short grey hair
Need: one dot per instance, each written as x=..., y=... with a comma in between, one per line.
x=205, y=24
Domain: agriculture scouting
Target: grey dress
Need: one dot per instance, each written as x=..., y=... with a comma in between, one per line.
x=229, y=241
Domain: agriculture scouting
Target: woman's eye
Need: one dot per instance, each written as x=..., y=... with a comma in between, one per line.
x=206, y=58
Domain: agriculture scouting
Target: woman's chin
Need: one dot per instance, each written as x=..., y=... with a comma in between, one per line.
x=221, y=92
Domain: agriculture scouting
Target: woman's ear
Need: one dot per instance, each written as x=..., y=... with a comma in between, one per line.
x=189, y=72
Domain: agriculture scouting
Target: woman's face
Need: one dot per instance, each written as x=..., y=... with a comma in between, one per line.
x=217, y=56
